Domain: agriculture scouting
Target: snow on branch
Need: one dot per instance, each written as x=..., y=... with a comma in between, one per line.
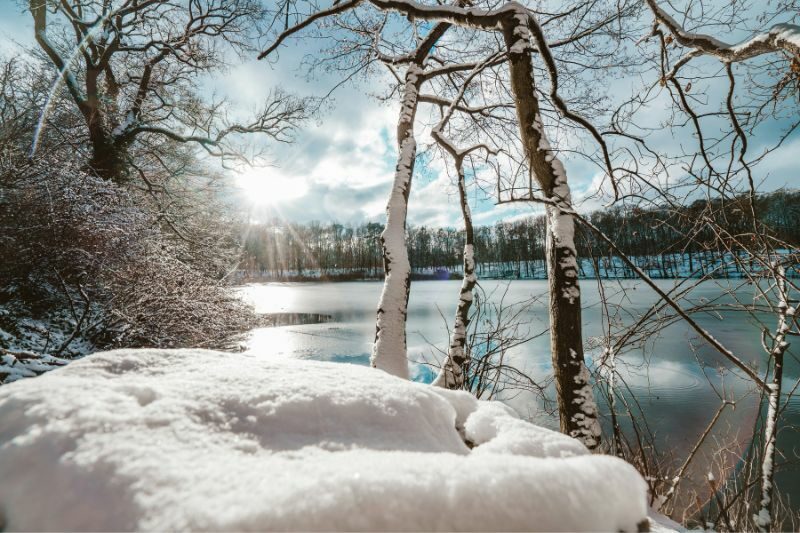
x=334, y=10
x=538, y=37
x=779, y=37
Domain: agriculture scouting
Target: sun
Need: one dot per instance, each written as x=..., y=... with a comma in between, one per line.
x=264, y=186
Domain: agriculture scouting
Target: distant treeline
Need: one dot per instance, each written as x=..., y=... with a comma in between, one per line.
x=668, y=242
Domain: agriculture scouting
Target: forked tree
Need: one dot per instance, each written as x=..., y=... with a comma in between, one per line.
x=131, y=68
x=452, y=374
x=520, y=34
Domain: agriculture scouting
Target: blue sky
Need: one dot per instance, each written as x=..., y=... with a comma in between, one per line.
x=341, y=165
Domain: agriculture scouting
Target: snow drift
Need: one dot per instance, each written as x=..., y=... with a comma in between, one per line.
x=194, y=439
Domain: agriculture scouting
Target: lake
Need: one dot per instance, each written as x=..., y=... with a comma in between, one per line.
x=672, y=374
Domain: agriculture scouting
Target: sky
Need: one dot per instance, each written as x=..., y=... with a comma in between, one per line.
x=341, y=164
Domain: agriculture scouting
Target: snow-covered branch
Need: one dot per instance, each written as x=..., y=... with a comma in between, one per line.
x=780, y=37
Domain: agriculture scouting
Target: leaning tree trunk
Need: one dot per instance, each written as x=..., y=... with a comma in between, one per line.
x=577, y=409
x=452, y=373
x=389, y=350
x=764, y=519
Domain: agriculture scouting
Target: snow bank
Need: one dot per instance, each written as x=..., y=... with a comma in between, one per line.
x=194, y=439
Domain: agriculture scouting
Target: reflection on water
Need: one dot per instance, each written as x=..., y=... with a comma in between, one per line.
x=673, y=375
x=295, y=319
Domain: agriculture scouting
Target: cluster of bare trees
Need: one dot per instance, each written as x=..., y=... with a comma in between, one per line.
x=514, y=90
x=663, y=241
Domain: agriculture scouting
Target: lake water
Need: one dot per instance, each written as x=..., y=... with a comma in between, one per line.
x=673, y=375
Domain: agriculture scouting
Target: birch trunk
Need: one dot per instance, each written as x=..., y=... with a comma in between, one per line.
x=452, y=373
x=577, y=409
x=389, y=349
x=764, y=517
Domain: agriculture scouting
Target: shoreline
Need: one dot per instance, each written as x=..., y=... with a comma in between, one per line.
x=453, y=276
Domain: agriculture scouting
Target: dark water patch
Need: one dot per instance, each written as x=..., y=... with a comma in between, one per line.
x=295, y=319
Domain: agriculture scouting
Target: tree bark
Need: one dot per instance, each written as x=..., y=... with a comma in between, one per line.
x=452, y=373
x=764, y=519
x=389, y=350
x=577, y=409
x=108, y=159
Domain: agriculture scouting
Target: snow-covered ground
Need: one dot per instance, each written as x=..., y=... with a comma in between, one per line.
x=19, y=365
x=194, y=439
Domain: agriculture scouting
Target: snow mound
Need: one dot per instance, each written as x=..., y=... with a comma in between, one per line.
x=201, y=440
x=496, y=428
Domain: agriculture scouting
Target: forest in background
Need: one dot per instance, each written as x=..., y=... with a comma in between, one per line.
x=667, y=243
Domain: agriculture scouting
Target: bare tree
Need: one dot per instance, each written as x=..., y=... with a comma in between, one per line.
x=786, y=322
x=389, y=349
x=131, y=68
x=521, y=33
x=452, y=373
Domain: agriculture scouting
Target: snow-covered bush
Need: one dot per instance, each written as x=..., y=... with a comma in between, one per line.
x=201, y=440
x=90, y=267
x=88, y=263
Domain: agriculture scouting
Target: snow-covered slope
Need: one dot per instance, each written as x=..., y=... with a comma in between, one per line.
x=193, y=439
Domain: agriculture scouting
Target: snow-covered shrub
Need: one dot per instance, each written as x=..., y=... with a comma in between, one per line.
x=88, y=263
x=159, y=300
x=85, y=257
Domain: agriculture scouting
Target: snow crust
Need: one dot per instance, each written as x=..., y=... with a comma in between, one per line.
x=201, y=440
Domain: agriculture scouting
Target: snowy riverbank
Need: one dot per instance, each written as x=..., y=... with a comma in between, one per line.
x=194, y=439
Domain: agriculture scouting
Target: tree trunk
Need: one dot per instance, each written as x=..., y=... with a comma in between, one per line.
x=389, y=350
x=764, y=519
x=577, y=409
x=108, y=160
x=452, y=374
